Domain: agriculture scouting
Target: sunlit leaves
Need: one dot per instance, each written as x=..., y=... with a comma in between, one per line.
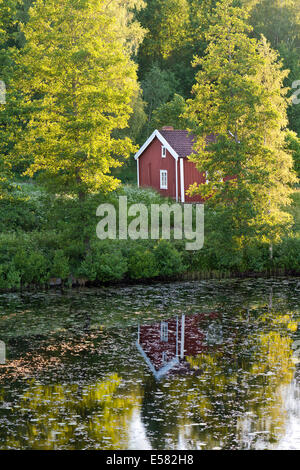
x=78, y=81
x=239, y=97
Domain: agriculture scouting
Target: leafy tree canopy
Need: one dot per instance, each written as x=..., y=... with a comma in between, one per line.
x=78, y=83
x=239, y=97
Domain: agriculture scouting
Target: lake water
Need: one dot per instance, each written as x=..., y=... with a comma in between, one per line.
x=190, y=365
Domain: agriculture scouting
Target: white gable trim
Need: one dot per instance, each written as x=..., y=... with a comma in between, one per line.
x=163, y=370
x=182, y=188
x=164, y=142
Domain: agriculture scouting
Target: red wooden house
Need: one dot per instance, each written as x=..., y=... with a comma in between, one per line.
x=166, y=345
x=162, y=164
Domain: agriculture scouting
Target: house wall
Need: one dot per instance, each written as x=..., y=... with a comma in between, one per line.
x=150, y=164
x=192, y=175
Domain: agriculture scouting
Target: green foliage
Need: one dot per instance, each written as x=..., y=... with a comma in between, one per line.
x=32, y=266
x=171, y=114
x=136, y=124
x=292, y=63
x=10, y=278
x=60, y=267
x=158, y=87
x=175, y=33
x=145, y=196
x=28, y=257
x=104, y=262
x=239, y=97
x=138, y=117
x=166, y=21
x=13, y=278
x=7, y=10
x=19, y=212
x=295, y=211
x=33, y=257
x=256, y=258
x=129, y=31
x=278, y=20
x=75, y=109
x=12, y=109
x=293, y=144
x=169, y=260
x=287, y=254
x=142, y=264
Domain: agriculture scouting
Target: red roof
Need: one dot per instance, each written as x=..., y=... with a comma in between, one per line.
x=182, y=141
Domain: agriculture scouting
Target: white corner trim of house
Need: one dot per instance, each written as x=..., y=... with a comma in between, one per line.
x=164, y=142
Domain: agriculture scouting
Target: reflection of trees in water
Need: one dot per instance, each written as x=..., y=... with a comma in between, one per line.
x=159, y=413
x=238, y=398
x=73, y=417
x=236, y=393
x=81, y=318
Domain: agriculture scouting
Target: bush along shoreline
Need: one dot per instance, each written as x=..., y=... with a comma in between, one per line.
x=48, y=242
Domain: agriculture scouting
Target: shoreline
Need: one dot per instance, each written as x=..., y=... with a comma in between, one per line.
x=185, y=277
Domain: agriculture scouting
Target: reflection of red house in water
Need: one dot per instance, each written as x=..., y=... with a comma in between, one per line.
x=166, y=344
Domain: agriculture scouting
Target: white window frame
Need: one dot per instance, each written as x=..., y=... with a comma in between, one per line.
x=164, y=331
x=164, y=357
x=163, y=179
x=163, y=151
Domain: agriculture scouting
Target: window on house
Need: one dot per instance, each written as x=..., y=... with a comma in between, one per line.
x=163, y=179
x=164, y=331
x=163, y=152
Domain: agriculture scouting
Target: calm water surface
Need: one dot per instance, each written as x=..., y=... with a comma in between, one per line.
x=195, y=365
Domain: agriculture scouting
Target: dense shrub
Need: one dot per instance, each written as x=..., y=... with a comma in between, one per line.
x=104, y=262
x=66, y=245
x=20, y=212
x=32, y=266
x=287, y=254
x=142, y=264
x=169, y=260
x=10, y=278
x=257, y=257
x=60, y=267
